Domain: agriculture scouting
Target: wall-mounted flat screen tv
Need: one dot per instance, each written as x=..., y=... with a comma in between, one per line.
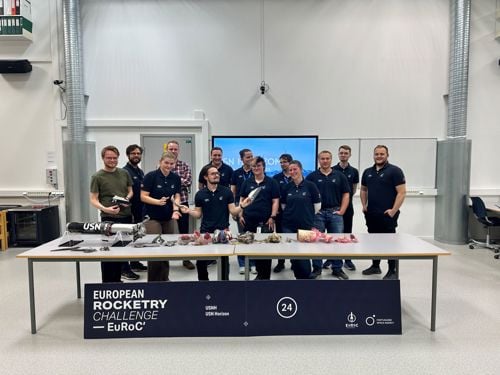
x=303, y=148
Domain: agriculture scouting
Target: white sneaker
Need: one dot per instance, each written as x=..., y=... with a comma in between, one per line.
x=253, y=270
x=242, y=270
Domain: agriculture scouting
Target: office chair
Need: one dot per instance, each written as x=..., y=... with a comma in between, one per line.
x=479, y=210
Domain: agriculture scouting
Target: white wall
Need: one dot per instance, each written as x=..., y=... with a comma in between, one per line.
x=484, y=99
x=336, y=68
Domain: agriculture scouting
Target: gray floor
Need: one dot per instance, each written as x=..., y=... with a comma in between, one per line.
x=467, y=337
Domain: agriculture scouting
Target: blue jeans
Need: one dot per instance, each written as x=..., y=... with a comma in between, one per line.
x=241, y=259
x=333, y=223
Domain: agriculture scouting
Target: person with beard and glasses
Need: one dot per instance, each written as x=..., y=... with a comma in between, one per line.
x=157, y=191
x=352, y=176
x=183, y=170
x=213, y=204
x=334, y=190
x=300, y=201
x=225, y=171
x=240, y=175
x=134, y=154
x=104, y=185
x=263, y=211
x=282, y=178
x=383, y=191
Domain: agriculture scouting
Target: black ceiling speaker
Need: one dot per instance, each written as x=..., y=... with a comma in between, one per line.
x=15, y=66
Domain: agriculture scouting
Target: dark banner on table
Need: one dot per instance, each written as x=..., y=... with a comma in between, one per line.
x=239, y=308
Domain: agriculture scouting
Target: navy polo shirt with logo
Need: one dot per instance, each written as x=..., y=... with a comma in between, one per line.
x=214, y=206
x=299, y=200
x=282, y=180
x=352, y=176
x=225, y=172
x=381, y=186
x=261, y=207
x=137, y=176
x=239, y=176
x=331, y=187
x=158, y=185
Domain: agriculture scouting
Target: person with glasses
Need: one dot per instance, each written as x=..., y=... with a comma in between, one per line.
x=263, y=211
x=213, y=204
x=104, y=185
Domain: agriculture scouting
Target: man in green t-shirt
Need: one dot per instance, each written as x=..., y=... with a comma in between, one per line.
x=104, y=185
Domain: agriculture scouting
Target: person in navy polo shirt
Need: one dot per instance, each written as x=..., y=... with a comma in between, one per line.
x=213, y=204
x=352, y=176
x=225, y=171
x=262, y=213
x=383, y=190
x=334, y=190
x=157, y=190
x=240, y=175
x=134, y=154
x=283, y=178
x=300, y=201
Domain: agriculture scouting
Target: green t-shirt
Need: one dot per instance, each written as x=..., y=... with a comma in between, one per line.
x=109, y=184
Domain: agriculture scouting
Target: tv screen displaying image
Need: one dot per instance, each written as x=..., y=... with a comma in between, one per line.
x=302, y=148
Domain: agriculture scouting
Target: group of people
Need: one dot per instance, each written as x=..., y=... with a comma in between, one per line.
x=286, y=203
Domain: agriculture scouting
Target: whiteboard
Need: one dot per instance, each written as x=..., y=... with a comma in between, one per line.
x=415, y=156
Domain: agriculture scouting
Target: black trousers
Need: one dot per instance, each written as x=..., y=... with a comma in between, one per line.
x=112, y=271
x=202, y=268
x=382, y=223
x=279, y=229
x=263, y=266
x=183, y=222
x=349, y=213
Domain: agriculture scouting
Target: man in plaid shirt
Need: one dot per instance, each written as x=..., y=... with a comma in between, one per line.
x=184, y=172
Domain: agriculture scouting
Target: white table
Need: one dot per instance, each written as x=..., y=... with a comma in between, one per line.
x=370, y=246
x=43, y=253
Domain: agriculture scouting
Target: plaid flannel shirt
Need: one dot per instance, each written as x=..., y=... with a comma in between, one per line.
x=184, y=172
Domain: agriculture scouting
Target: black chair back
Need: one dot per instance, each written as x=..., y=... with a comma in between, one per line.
x=479, y=209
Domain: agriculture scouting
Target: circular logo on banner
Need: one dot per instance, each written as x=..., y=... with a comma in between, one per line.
x=286, y=307
x=351, y=318
x=370, y=321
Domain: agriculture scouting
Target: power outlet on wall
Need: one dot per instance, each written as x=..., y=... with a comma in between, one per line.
x=51, y=176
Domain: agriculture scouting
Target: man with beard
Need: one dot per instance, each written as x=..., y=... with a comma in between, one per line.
x=134, y=154
x=213, y=204
x=383, y=190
